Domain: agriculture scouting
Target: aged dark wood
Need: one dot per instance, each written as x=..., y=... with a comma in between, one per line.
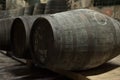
x=75, y=40
x=106, y=2
x=5, y=29
x=11, y=13
x=54, y=6
x=32, y=2
x=39, y=8
x=3, y=14
x=29, y=10
x=16, y=12
x=20, y=36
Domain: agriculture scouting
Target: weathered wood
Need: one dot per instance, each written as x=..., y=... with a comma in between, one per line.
x=32, y=2
x=106, y=2
x=21, y=28
x=13, y=4
x=12, y=70
x=29, y=10
x=75, y=40
x=39, y=8
x=11, y=13
x=54, y=6
x=4, y=14
x=5, y=30
x=71, y=75
x=16, y=12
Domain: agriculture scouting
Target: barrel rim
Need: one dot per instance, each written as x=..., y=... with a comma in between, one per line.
x=35, y=25
x=20, y=26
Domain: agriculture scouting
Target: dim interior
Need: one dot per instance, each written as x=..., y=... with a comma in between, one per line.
x=41, y=38
x=18, y=35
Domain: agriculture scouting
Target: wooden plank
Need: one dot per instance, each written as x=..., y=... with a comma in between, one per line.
x=12, y=70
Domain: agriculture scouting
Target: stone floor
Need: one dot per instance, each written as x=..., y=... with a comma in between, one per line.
x=13, y=70
x=108, y=71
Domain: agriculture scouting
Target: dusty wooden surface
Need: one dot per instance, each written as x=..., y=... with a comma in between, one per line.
x=13, y=70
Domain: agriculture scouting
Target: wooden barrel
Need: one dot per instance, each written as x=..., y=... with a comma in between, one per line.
x=11, y=13
x=54, y=6
x=106, y=3
x=16, y=12
x=39, y=8
x=5, y=29
x=32, y=2
x=3, y=14
x=29, y=10
x=75, y=40
x=20, y=32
